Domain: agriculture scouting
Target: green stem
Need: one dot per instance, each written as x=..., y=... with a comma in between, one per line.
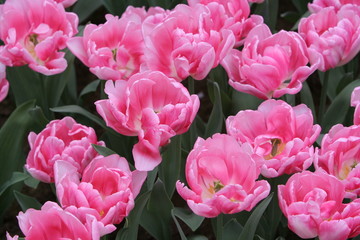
x=102, y=89
x=219, y=226
x=44, y=97
x=191, y=85
x=323, y=96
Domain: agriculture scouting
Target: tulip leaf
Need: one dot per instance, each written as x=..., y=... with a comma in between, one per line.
x=79, y=110
x=169, y=169
x=38, y=115
x=131, y=227
x=55, y=84
x=91, y=87
x=16, y=177
x=32, y=182
x=84, y=8
x=104, y=151
x=249, y=229
x=26, y=202
x=301, y=5
x=181, y=232
x=335, y=76
x=307, y=99
x=156, y=217
x=12, y=139
x=188, y=217
x=242, y=101
x=232, y=229
x=151, y=177
x=338, y=109
x=269, y=10
x=198, y=237
x=117, y=7
x=216, y=119
x=25, y=84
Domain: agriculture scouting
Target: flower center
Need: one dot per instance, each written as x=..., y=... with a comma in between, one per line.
x=347, y=168
x=33, y=39
x=217, y=186
x=277, y=148
x=114, y=54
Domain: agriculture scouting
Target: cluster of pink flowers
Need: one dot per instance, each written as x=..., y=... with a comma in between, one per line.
x=143, y=56
x=332, y=32
x=34, y=32
x=313, y=201
x=94, y=192
x=313, y=205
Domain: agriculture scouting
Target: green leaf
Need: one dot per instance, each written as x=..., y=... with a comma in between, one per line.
x=305, y=15
x=192, y=220
x=232, y=230
x=91, y=87
x=55, y=84
x=26, y=202
x=133, y=219
x=121, y=144
x=242, y=101
x=12, y=144
x=79, y=110
x=269, y=10
x=151, y=177
x=117, y=7
x=307, y=99
x=198, y=237
x=249, y=229
x=181, y=232
x=335, y=76
x=301, y=5
x=338, y=109
x=12, y=139
x=26, y=84
x=157, y=215
x=16, y=177
x=216, y=118
x=160, y=3
x=84, y=8
x=32, y=182
x=169, y=169
x=104, y=151
x=38, y=115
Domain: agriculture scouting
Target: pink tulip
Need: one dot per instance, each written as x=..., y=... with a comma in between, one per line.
x=351, y=215
x=280, y=134
x=269, y=65
x=113, y=50
x=33, y=32
x=318, y=5
x=52, y=222
x=340, y=155
x=4, y=84
x=66, y=3
x=106, y=190
x=188, y=41
x=151, y=106
x=310, y=201
x=355, y=102
x=60, y=140
x=333, y=37
x=235, y=18
x=221, y=176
